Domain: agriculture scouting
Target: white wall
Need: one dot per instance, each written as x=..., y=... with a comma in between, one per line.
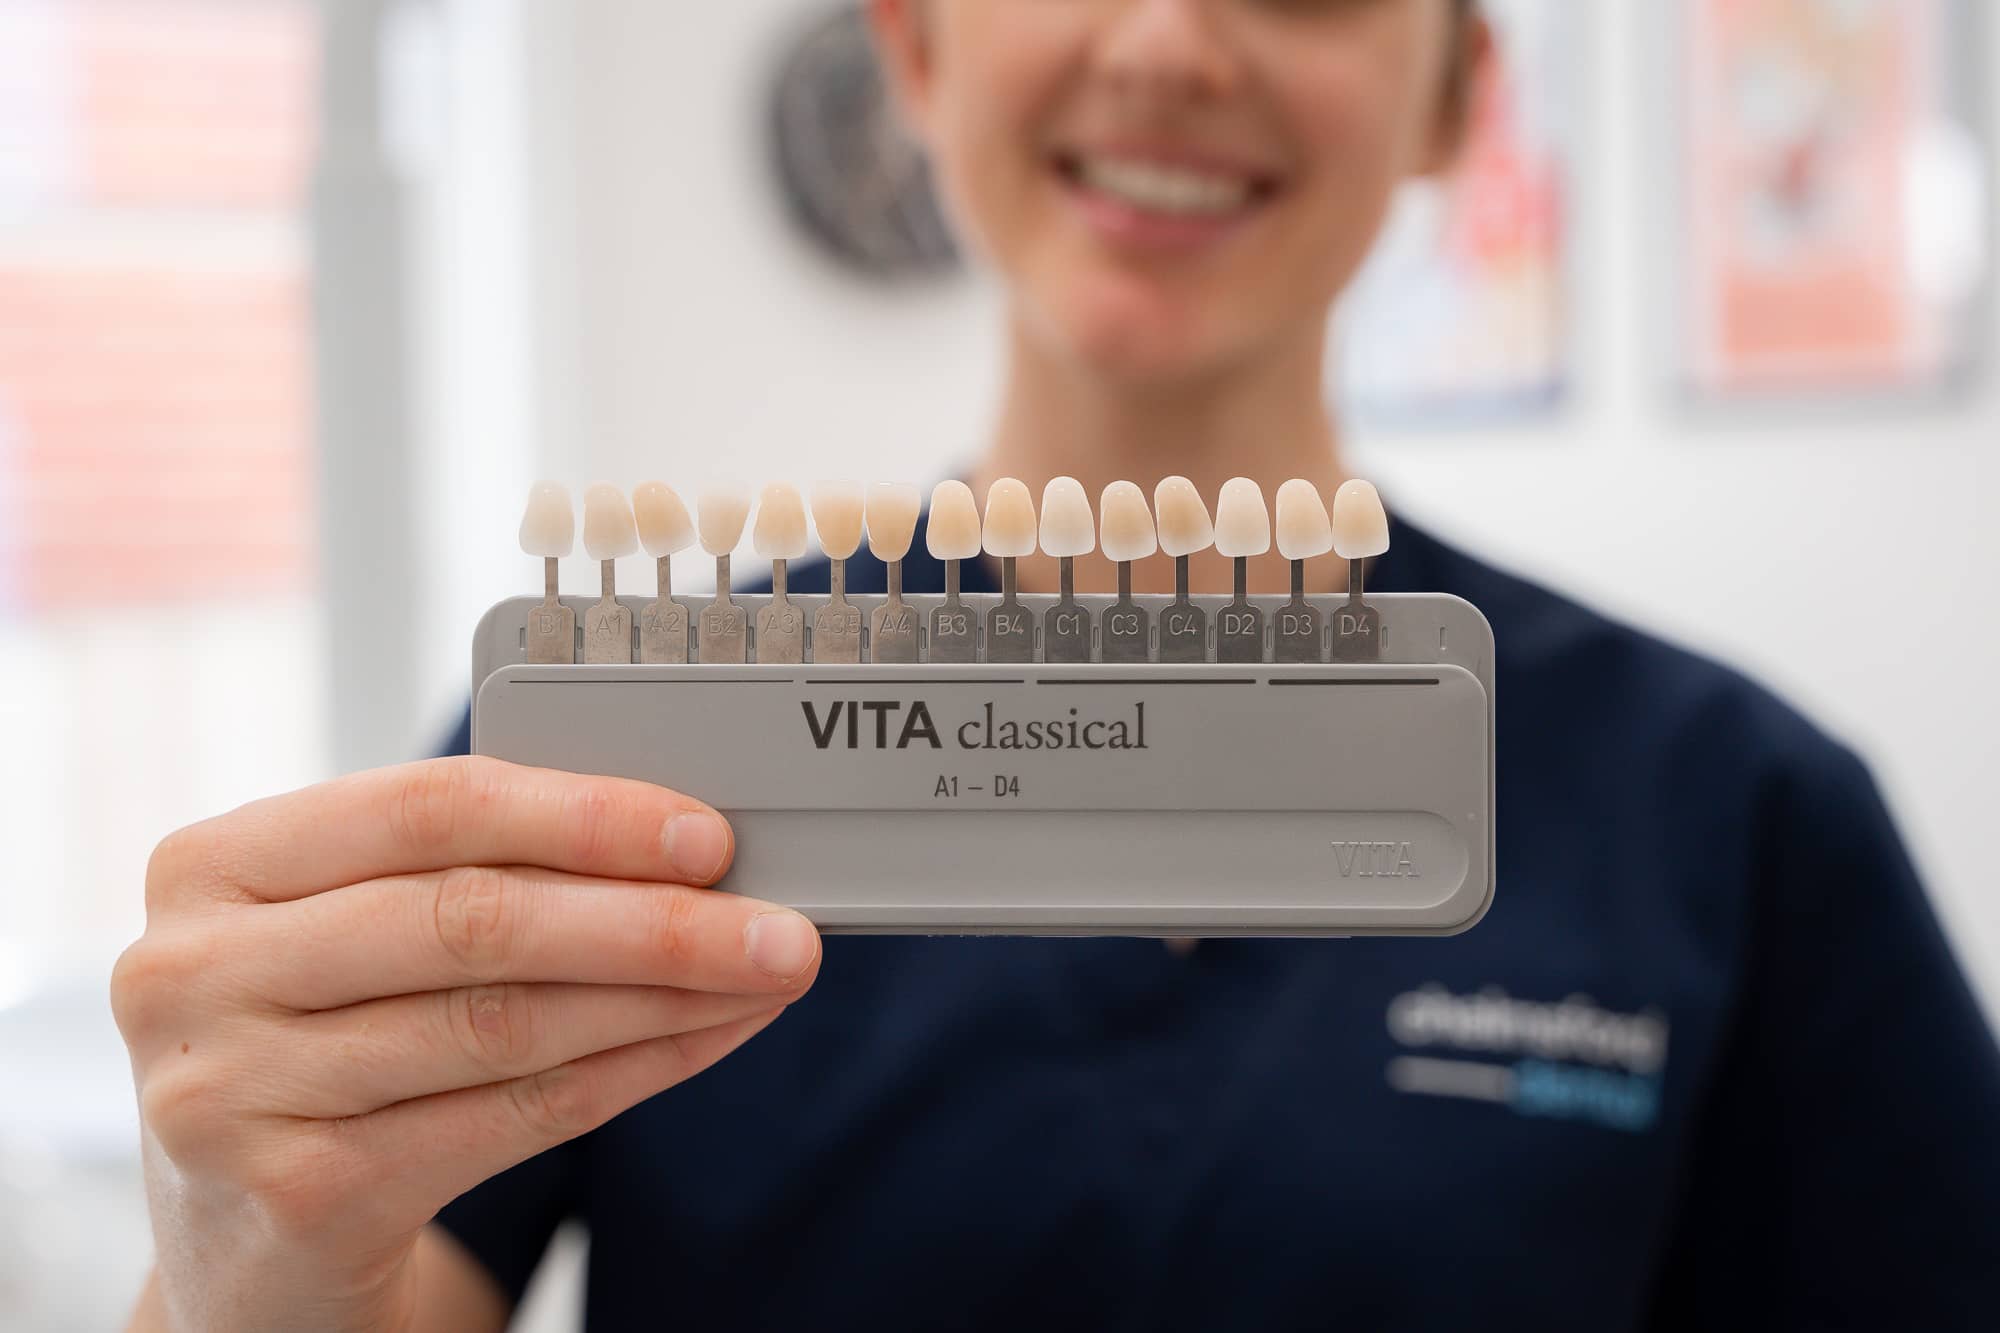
x=682, y=331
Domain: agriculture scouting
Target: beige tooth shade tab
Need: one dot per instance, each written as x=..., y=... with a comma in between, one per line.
x=1360, y=525
x=1183, y=519
x=780, y=533
x=836, y=507
x=608, y=530
x=664, y=524
x=548, y=527
x=953, y=533
x=1242, y=523
x=1125, y=525
x=893, y=507
x=719, y=517
x=1304, y=530
x=1067, y=526
x=1010, y=519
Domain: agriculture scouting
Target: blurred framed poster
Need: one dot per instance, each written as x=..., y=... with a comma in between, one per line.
x=1834, y=207
x=1459, y=313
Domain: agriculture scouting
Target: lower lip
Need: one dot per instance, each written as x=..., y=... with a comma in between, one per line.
x=1128, y=225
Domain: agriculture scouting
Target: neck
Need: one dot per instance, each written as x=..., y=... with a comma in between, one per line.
x=1265, y=418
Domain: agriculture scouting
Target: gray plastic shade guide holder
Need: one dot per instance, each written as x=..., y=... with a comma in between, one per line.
x=1037, y=798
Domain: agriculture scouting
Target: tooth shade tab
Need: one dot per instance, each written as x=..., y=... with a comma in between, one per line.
x=608, y=529
x=548, y=525
x=1242, y=523
x=1304, y=530
x=1183, y=519
x=892, y=519
x=953, y=533
x=837, y=507
x=1010, y=520
x=720, y=515
x=1125, y=525
x=664, y=524
x=780, y=533
x=1068, y=528
x=1360, y=524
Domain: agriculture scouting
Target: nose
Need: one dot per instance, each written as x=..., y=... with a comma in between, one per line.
x=1170, y=49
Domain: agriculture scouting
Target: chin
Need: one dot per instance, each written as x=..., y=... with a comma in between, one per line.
x=1138, y=337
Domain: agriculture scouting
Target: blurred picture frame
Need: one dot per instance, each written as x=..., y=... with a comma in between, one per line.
x=1833, y=210
x=1462, y=313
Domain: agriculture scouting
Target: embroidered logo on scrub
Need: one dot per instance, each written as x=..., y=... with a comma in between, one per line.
x=1570, y=1059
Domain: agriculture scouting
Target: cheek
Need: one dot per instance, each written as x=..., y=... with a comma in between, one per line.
x=1000, y=70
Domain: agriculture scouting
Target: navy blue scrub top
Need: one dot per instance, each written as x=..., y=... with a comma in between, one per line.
x=1708, y=1062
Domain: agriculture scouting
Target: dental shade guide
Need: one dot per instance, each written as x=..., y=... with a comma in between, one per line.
x=1337, y=780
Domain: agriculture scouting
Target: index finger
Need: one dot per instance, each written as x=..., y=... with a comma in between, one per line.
x=467, y=811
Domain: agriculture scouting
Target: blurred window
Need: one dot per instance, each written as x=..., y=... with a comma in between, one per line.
x=157, y=549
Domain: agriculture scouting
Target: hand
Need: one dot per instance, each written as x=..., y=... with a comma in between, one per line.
x=355, y=1002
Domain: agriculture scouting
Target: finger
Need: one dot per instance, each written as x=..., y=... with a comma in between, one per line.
x=367, y=1056
x=435, y=1148
x=451, y=812
x=480, y=925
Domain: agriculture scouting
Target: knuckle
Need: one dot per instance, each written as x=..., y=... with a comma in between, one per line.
x=433, y=800
x=185, y=1108
x=495, y=1025
x=150, y=983
x=175, y=859
x=590, y=824
x=676, y=932
x=473, y=919
x=555, y=1104
x=300, y=1191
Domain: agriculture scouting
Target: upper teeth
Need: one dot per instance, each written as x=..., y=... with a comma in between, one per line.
x=1164, y=189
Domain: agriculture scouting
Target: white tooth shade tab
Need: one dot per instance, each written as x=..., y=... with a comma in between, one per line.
x=837, y=509
x=548, y=526
x=953, y=532
x=1067, y=526
x=1304, y=530
x=664, y=524
x=719, y=516
x=609, y=532
x=1125, y=526
x=780, y=532
x=1183, y=518
x=1242, y=523
x=892, y=519
x=1010, y=519
x=1360, y=525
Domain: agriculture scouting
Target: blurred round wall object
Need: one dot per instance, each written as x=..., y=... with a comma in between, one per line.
x=852, y=178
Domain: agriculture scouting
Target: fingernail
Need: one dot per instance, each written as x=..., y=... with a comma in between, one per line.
x=695, y=845
x=781, y=943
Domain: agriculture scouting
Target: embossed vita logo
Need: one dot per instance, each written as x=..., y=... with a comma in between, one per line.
x=1375, y=860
